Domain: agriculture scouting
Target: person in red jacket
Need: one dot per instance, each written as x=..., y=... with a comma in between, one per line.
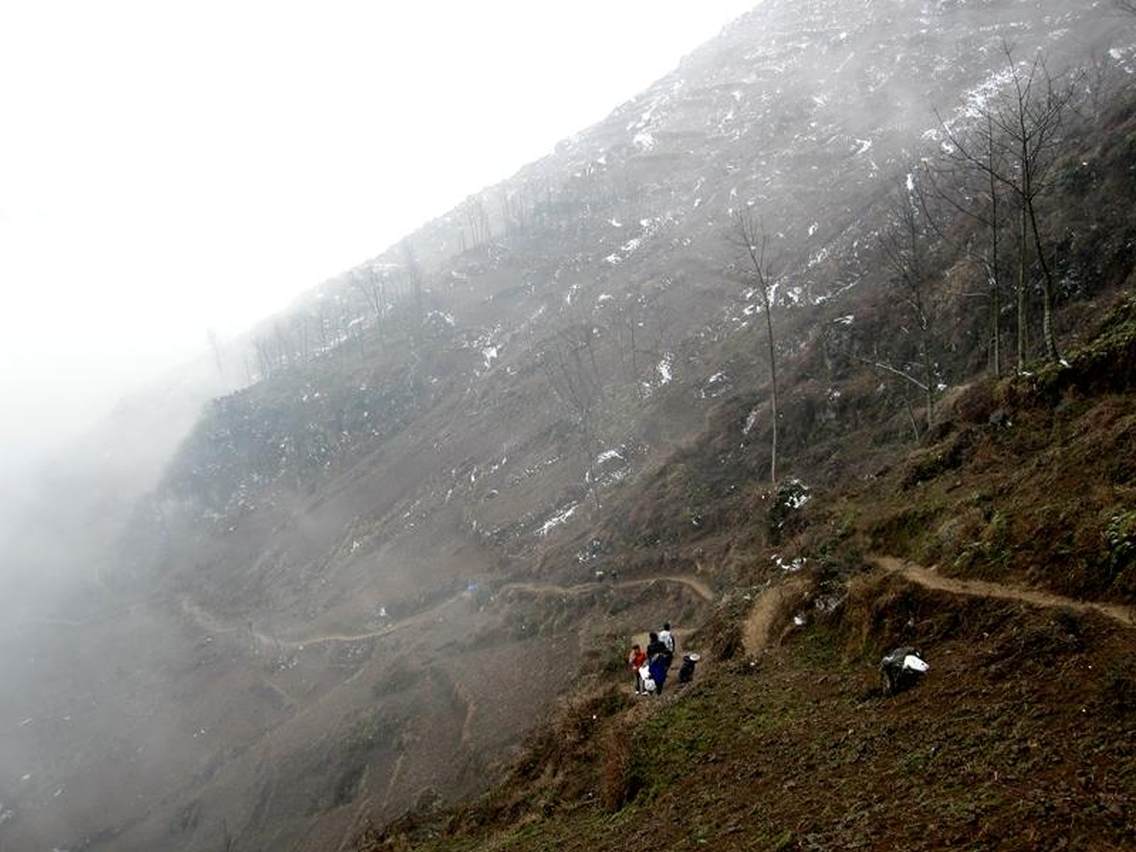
x=635, y=661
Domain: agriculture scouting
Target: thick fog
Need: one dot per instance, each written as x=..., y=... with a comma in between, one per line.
x=170, y=175
x=165, y=171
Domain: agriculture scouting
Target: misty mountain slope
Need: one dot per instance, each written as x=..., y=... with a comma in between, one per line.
x=370, y=572
x=671, y=272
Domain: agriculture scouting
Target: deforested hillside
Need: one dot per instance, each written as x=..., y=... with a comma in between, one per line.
x=466, y=472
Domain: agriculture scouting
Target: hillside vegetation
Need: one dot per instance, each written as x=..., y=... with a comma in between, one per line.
x=1020, y=737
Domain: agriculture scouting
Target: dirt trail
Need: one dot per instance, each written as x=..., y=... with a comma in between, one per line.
x=985, y=589
x=693, y=583
x=210, y=624
x=765, y=610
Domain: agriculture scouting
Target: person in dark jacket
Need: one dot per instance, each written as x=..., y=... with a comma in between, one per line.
x=657, y=662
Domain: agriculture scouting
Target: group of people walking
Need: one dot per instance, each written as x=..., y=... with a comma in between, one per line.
x=651, y=665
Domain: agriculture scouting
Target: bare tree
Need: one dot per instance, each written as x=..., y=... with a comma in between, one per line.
x=513, y=204
x=284, y=347
x=1102, y=77
x=1128, y=6
x=322, y=318
x=299, y=335
x=414, y=276
x=1025, y=124
x=477, y=218
x=370, y=284
x=263, y=356
x=628, y=323
x=215, y=346
x=750, y=234
x=949, y=182
x=569, y=363
x=904, y=246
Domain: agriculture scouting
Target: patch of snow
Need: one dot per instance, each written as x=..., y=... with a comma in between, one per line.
x=666, y=368
x=559, y=518
x=813, y=228
x=608, y=455
x=798, y=500
x=714, y=386
x=844, y=320
x=489, y=353
x=976, y=99
x=818, y=257
x=448, y=319
x=644, y=140
x=615, y=223
x=789, y=567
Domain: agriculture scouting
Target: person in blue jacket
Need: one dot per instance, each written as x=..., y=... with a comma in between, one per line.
x=658, y=662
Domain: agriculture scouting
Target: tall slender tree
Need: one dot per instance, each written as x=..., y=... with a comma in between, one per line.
x=750, y=234
x=905, y=248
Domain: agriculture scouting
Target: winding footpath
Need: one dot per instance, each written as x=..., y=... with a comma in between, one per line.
x=693, y=583
x=756, y=630
x=984, y=589
x=210, y=624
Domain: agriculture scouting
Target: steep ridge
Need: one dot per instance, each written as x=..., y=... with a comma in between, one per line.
x=536, y=406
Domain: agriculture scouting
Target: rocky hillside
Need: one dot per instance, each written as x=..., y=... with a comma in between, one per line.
x=472, y=468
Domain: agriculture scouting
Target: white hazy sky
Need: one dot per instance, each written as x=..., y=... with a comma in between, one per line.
x=167, y=167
